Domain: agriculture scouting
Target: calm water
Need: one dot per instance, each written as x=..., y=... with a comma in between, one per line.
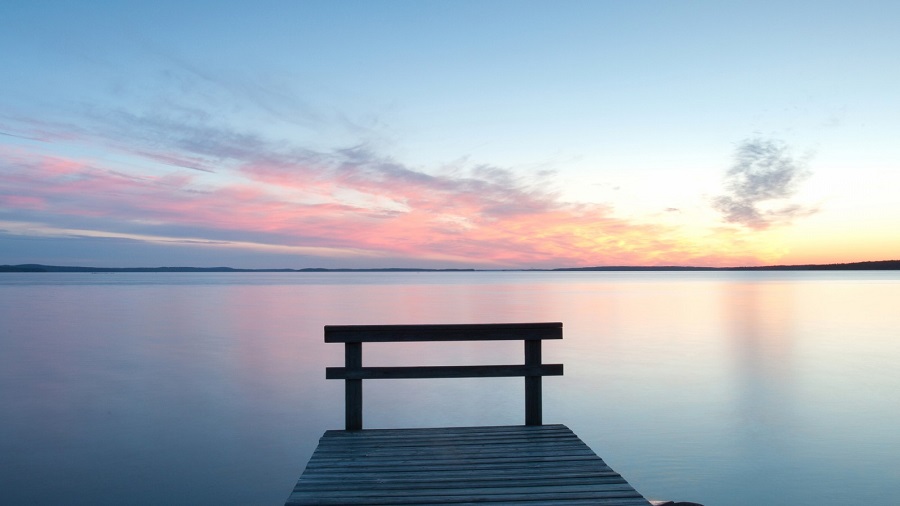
x=720, y=388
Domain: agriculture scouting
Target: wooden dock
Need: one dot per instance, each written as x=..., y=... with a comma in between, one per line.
x=531, y=464
x=521, y=464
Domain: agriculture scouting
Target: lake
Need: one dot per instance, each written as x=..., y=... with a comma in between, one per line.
x=724, y=388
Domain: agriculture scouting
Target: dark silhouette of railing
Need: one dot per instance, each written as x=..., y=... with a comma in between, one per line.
x=353, y=372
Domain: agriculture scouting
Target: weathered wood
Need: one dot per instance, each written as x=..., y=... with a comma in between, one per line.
x=442, y=332
x=353, y=372
x=533, y=406
x=531, y=464
x=447, y=371
x=353, y=394
x=521, y=464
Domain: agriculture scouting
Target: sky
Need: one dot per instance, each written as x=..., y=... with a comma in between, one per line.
x=448, y=134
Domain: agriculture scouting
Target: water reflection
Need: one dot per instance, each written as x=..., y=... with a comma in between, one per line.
x=761, y=320
x=741, y=388
x=760, y=317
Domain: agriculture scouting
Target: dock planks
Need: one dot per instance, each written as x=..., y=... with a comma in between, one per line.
x=522, y=464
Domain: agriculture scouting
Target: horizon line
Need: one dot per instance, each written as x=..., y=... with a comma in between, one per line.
x=865, y=265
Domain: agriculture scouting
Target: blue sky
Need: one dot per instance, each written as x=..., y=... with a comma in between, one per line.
x=485, y=134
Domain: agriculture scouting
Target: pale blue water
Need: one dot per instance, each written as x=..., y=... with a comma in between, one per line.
x=720, y=388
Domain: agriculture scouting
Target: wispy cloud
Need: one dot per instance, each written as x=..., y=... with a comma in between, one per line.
x=183, y=175
x=760, y=184
x=354, y=201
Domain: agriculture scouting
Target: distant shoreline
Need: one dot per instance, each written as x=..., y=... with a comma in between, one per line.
x=881, y=265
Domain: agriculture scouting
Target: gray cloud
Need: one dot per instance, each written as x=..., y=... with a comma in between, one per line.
x=760, y=184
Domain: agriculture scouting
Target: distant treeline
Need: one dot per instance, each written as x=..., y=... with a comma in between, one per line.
x=63, y=268
x=882, y=265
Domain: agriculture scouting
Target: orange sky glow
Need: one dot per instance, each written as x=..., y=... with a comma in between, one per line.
x=565, y=139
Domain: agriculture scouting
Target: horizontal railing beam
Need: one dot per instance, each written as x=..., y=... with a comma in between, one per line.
x=444, y=371
x=444, y=332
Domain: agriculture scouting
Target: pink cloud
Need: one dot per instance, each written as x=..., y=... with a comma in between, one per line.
x=239, y=188
x=22, y=202
x=502, y=221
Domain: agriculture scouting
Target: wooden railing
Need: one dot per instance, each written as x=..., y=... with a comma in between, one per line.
x=353, y=371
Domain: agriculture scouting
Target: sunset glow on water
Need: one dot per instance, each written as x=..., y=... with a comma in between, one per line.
x=720, y=388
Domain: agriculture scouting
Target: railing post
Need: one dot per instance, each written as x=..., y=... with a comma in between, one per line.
x=353, y=388
x=533, y=384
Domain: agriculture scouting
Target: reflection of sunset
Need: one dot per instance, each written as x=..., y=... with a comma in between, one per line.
x=683, y=379
x=761, y=334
